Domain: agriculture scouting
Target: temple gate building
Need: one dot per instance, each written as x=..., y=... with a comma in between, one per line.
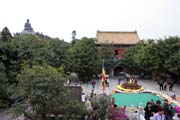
x=119, y=41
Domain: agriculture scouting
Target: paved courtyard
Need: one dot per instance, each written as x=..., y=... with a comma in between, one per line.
x=147, y=84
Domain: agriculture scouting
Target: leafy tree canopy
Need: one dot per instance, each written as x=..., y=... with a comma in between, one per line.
x=160, y=56
x=43, y=92
x=5, y=35
x=84, y=58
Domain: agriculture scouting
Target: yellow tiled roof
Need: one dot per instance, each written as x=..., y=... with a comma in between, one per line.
x=117, y=37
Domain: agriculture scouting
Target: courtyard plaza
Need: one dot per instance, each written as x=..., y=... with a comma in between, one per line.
x=148, y=84
x=132, y=100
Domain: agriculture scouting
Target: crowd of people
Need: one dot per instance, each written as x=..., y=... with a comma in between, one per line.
x=152, y=111
x=163, y=84
x=159, y=111
x=131, y=79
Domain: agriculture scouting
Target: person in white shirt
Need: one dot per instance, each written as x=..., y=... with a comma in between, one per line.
x=83, y=98
x=159, y=115
x=127, y=77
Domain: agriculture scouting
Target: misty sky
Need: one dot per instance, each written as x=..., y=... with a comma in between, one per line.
x=58, y=18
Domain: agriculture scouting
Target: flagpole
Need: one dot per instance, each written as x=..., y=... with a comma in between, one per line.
x=102, y=79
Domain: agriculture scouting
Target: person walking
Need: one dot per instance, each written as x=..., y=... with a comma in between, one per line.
x=92, y=93
x=128, y=77
x=107, y=81
x=161, y=84
x=83, y=98
x=148, y=111
x=165, y=85
x=119, y=80
x=171, y=85
x=93, y=84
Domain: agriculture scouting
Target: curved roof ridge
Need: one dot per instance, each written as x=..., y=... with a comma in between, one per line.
x=117, y=37
x=117, y=31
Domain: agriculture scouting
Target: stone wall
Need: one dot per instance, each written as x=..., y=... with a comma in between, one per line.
x=75, y=91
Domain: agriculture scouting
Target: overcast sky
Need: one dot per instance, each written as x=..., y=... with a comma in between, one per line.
x=58, y=18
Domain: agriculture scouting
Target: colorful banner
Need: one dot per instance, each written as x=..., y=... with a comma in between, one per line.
x=103, y=77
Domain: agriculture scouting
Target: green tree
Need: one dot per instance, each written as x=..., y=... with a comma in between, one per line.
x=43, y=92
x=84, y=58
x=28, y=49
x=144, y=55
x=159, y=57
x=55, y=52
x=128, y=59
x=106, y=53
x=4, y=96
x=172, y=51
x=8, y=57
x=7, y=65
x=5, y=34
x=34, y=50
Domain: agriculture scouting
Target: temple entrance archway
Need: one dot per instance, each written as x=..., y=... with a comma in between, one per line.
x=118, y=70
